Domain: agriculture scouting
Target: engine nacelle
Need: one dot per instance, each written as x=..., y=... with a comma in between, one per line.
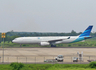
x=44, y=43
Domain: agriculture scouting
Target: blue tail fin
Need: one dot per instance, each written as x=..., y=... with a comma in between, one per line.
x=87, y=31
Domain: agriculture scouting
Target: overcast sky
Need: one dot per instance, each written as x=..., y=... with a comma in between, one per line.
x=47, y=15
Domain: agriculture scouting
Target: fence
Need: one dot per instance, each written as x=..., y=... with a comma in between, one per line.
x=42, y=58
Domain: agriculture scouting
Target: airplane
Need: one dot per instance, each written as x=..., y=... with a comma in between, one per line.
x=53, y=40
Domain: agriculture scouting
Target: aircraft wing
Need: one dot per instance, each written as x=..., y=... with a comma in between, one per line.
x=57, y=40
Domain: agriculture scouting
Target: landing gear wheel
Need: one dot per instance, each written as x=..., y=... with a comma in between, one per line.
x=53, y=45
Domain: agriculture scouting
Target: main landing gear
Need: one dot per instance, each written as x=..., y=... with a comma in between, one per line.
x=53, y=45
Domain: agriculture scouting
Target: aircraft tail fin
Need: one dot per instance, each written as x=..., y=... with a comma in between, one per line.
x=87, y=31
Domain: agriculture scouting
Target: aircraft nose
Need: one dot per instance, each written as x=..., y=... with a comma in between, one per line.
x=13, y=41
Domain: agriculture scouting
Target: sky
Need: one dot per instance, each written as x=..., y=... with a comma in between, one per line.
x=47, y=15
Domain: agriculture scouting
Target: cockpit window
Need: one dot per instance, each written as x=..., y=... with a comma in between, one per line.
x=16, y=38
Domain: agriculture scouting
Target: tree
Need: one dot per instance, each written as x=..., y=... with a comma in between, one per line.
x=73, y=33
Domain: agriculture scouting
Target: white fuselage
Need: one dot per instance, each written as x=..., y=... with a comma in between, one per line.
x=38, y=40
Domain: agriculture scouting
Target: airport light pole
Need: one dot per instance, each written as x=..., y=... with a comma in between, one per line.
x=3, y=36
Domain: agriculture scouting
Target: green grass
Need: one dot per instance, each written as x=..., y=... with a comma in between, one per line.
x=71, y=69
x=49, y=67
x=5, y=67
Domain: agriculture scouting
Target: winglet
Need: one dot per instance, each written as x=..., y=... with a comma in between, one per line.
x=87, y=31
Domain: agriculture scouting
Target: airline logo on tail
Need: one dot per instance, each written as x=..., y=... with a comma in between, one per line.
x=84, y=35
x=87, y=32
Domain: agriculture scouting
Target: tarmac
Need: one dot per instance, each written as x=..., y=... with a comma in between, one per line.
x=38, y=55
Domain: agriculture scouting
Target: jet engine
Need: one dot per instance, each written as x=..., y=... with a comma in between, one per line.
x=44, y=43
